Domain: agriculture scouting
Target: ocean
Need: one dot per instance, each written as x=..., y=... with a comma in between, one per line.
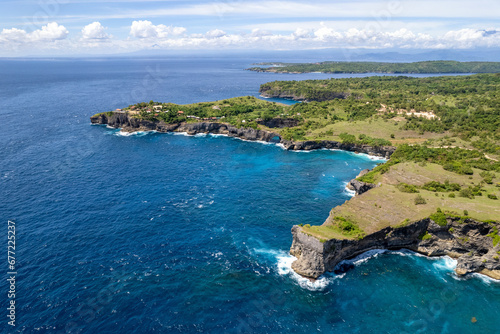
x=167, y=233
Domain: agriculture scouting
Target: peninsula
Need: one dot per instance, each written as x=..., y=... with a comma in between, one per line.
x=379, y=67
x=438, y=192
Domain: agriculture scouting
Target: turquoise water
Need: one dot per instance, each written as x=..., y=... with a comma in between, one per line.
x=164, y=233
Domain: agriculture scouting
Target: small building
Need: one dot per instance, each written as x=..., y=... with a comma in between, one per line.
x=118, y=110
x=157, y=107
x=216, y=107
x=180, y=112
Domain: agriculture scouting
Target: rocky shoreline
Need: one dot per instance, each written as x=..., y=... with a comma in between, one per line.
x=465, y=240
x=130, y=124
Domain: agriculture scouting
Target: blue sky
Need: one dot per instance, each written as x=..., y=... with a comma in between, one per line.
x=69, y=27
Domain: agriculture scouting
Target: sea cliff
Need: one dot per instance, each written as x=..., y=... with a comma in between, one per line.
x=468, y=241
x=131, y=124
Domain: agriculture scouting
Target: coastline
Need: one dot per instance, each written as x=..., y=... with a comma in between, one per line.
x=129, y=125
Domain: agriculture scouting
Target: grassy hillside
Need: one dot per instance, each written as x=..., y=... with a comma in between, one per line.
x=459, y=111
x=416, y=183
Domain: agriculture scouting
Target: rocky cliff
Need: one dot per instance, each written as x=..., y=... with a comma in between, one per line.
x=358, y=186
x=381, y=151
x=131, y=124
x=468, y=241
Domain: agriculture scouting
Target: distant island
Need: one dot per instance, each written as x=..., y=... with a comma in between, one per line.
x=426, y=67
x=438, y=192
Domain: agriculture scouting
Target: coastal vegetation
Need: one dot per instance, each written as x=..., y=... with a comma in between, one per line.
x=378, y=67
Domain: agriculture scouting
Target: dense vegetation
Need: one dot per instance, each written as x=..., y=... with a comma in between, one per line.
x=377, y=67
x=467, y=107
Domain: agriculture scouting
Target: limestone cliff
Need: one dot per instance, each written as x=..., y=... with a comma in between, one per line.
x=466, y=240
x=131, y=124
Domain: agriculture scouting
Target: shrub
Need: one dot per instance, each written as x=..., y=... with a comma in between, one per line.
x=407, y=188
x=349, y=228
x=494, y=235
x=441, y=187
x=439, y=218
x=467, y=193
x=466, y=213
x=420, y=200
x=492, y=196
x=487, y=177
x=425, y=236
x=451, y=195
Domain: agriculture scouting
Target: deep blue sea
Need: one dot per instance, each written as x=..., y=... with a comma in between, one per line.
x=164, y=233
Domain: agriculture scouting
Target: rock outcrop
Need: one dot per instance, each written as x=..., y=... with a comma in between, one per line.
x=130, y=124
x=381, y=151
x=358, y=186
x=466, y=240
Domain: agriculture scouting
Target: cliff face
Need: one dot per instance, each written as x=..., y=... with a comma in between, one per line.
x=381, y=151
x=465, y=240
x=130, y=124
x=358, y=186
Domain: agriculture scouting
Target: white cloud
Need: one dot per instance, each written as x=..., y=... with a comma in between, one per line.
x=13, y=35
x=302, y=33
x=215, y=33
x=260, y=33
x=146, y=29
x=54, y=38
x=94, y=31
x=50, y=32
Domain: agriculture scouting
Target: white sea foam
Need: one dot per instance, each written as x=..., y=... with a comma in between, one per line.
x=362, y=258
x=285, y=269
x=349, y=192
x=302, y=151
x=217, y=135
x=445, y=263
x=181, y=134
x=485, y=279
x=370, y=157
x=136, y=133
